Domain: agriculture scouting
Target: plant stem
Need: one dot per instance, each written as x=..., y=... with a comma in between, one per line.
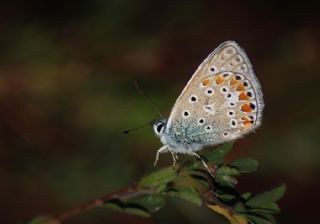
x=125, y=193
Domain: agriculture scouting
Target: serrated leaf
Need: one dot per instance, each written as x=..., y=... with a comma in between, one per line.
x=187, y=193
x=245, y=164
x=44, y=220
x=158, y=178
x=217, y=155
x=266, y=198
x=231, y=217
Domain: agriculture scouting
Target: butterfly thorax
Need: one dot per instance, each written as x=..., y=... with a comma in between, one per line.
x=179, y=138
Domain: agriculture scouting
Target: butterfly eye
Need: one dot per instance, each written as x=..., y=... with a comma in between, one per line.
x=159, y=128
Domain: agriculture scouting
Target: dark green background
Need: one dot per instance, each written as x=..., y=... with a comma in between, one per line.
x=66, y=94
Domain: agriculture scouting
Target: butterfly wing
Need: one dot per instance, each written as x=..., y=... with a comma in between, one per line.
x=221, y=102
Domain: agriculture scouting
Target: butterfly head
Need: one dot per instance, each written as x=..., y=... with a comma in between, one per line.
x=159, y=126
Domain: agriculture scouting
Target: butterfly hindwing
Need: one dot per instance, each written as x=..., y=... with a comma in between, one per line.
x=222, y=101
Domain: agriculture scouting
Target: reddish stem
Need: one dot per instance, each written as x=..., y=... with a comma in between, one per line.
x=125, y=193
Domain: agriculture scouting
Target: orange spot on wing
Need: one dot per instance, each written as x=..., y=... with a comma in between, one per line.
x=205, y=82
x=246, y=121
x=240, y=87
x=233, y=81
x=243, y=96
x=219, y=80
x=246, y=108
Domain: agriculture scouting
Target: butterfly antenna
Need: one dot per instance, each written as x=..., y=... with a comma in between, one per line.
x=148, y=98
x=137, y=128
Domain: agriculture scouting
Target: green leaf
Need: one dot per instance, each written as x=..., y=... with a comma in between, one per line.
x=226, y=197
x=113, y=205
x=158, y=178
x=201, y=178
x=137, y=212
x=271, y=208
x=151, y=203
x=245, y=164
x=224, y=176
x=141, y=206
x=266, y=198
x=226, y=180
x=44, y=220
x=187, y=193
x=256, y=219
x=246, y=195
x=240, y=207
x=217, y=155
x=134, y=209
x=227, y=170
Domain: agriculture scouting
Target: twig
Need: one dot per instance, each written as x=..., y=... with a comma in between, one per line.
x=125, y=193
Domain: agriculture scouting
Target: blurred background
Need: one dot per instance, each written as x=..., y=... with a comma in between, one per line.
x=66, y=94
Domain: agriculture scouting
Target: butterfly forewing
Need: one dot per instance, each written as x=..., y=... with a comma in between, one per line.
x=221, y=102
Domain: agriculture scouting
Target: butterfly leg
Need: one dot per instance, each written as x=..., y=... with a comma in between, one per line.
x=204, y=163
x=175, y=158
x=164, y=148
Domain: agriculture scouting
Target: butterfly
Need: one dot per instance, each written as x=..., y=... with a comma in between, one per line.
x=221, y=102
